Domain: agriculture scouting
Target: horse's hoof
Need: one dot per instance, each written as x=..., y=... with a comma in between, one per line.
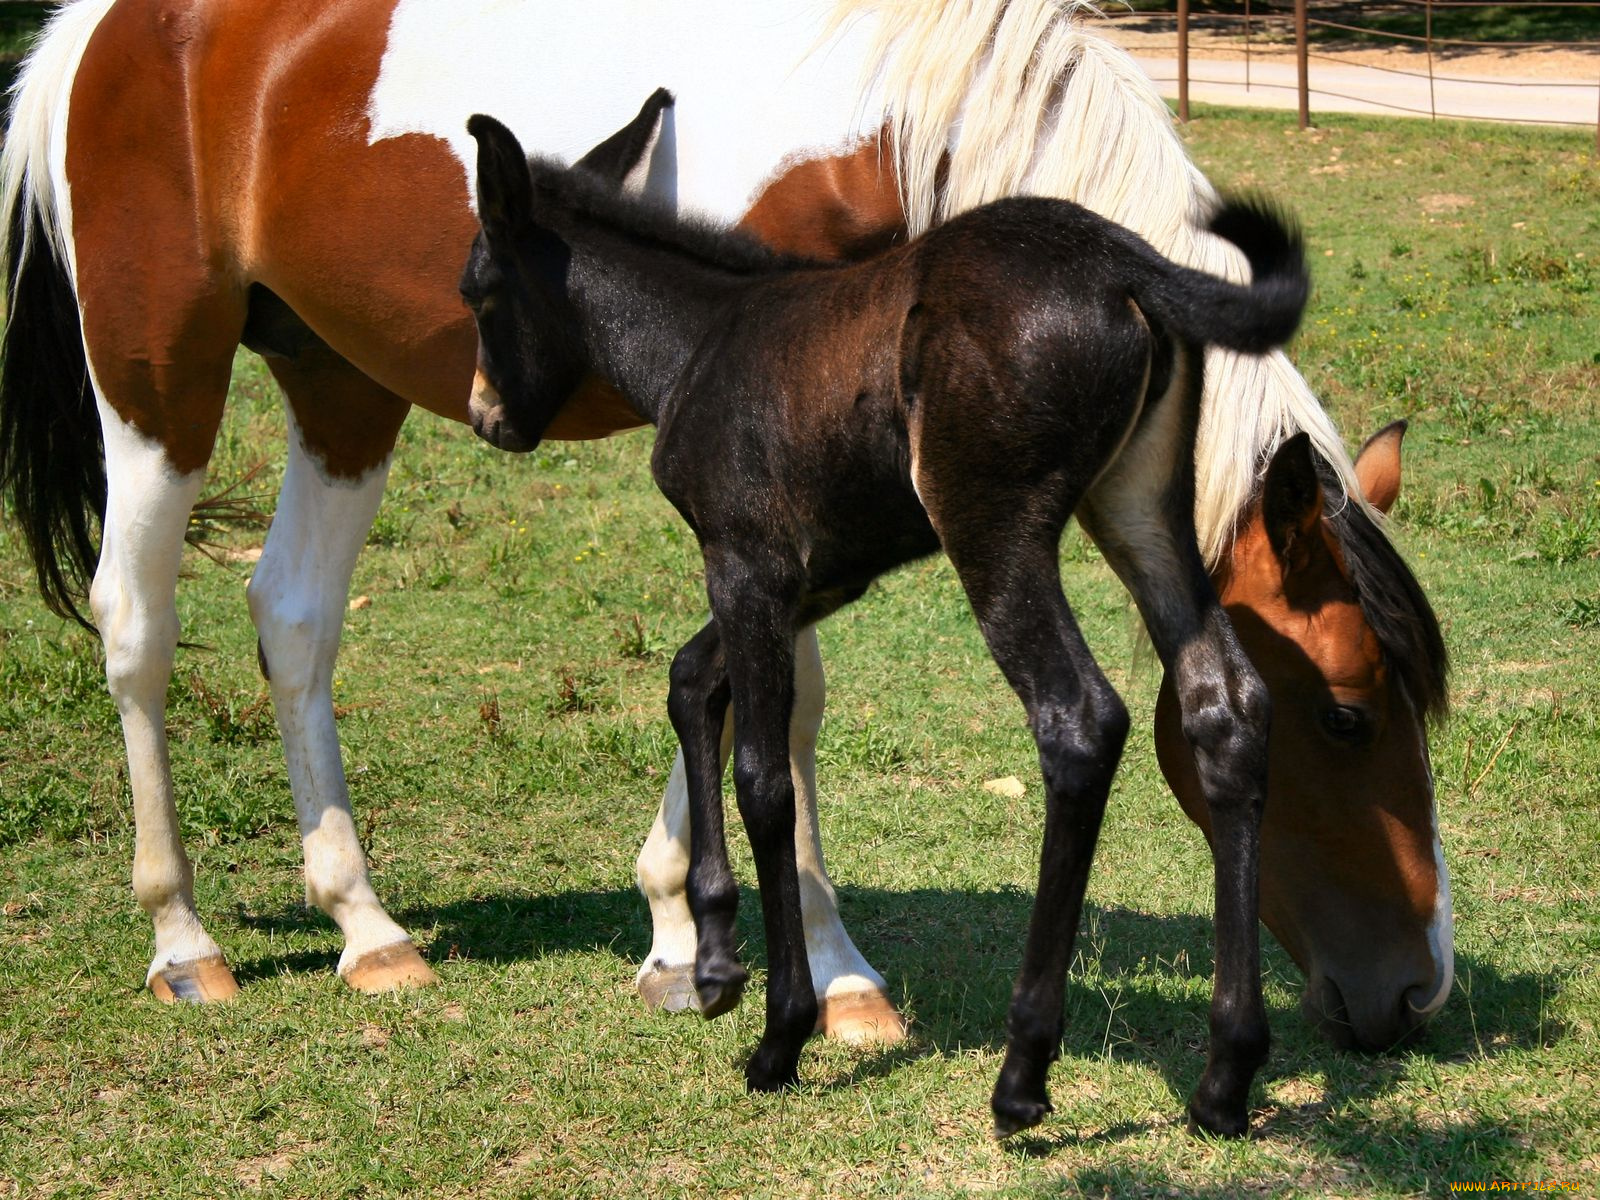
x=721, y=992
x=1013, y=1116
x=389, y=969
x=199, y=981
x=669, y=988
x=861, y=1019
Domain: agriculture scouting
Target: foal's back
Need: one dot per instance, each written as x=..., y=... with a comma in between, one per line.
x=831, y=400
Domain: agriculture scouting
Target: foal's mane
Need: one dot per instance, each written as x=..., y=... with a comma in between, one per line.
x=565, y=194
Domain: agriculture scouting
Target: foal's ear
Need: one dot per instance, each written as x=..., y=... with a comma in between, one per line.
x=1378, y=466
x=505, y=185
x=616, y=157
x=1291, y=504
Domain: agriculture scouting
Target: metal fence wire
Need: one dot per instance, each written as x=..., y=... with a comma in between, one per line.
x=1265, y=26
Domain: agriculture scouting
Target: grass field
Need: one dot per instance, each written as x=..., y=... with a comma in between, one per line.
x=504, y=731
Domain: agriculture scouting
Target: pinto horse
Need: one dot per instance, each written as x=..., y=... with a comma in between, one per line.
x=971, y=391
x=183, y=176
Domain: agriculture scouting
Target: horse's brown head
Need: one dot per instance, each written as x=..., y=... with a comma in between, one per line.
x=1353, y=883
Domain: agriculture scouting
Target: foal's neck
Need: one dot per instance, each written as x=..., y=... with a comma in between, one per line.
x=643, y=311
x=647, y=286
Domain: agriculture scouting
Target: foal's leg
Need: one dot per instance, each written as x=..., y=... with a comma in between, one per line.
x=697, y=703
x=1139, y=512
x=1012, y=577
x=852, y=996
x=342, y=430
x=753, y=624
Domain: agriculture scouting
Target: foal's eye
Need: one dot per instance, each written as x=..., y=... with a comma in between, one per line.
x=1344, y=723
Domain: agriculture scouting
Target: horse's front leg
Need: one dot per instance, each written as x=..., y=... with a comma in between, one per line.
x=297, y=600
x=852, y=997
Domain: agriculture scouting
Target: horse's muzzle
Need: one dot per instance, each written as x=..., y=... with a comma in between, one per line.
x=1371, y=1024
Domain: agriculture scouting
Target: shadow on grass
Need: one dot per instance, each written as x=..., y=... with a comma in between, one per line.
x=1139, y=994
x=1139, y=989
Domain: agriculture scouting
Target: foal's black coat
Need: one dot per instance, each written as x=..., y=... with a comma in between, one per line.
x=819, y=425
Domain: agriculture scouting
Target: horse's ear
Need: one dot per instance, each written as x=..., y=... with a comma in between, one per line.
x=616, y=157
x=1291, y=505
x=505, y=186
x=1378, y=466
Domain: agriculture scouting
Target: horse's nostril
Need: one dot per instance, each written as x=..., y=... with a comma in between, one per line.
x=1417, y=1005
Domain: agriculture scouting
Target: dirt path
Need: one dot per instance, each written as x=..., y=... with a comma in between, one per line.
x=1210, y=40
x=1559, y=86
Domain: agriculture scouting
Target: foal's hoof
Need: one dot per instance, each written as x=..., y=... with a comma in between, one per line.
x=772, y=1070
x=1217, y=1120
x=1013, y=1116
x=669, y=988
x=860, y=1019
x=199, y=981
x=721, y=990
x=389, y=969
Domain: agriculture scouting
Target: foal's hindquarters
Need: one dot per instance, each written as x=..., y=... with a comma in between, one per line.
x=943, y=441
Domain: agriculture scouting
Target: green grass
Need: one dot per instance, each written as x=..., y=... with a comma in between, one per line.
x=504, y=732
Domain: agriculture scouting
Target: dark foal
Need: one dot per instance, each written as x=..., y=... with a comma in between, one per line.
x=820, y=425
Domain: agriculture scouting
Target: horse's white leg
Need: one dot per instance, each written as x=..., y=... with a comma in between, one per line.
x=132, y=597
x=666, y=977
x=297, y=600
x=852, y=998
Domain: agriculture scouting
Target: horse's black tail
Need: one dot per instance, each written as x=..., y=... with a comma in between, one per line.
x=1250, y=318
x=52, y=460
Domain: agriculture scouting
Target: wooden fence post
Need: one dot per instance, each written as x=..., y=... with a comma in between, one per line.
x=1183, y=61
x=1302, y=62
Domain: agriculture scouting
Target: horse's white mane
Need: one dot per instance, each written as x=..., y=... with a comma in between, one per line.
x=1023, y=99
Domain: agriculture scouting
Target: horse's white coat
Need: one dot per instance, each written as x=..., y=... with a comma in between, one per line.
x=752, y=83
x=297, y=603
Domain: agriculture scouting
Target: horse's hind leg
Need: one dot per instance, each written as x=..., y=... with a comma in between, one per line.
x=152, y=484
x=853, y=999
x=1140, y=512
x=343, y=428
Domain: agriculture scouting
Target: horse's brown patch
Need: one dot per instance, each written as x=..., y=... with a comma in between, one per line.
x=844, y=206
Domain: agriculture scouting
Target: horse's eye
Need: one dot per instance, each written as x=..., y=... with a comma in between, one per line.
x=1345, y=723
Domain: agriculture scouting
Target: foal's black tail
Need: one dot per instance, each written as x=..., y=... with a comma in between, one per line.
x=52, y=466
x=1251, y=318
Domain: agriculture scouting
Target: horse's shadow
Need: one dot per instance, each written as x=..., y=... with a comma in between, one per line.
x=1139, y=994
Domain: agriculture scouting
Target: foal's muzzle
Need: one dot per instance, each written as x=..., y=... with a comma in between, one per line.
x=490, y=420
